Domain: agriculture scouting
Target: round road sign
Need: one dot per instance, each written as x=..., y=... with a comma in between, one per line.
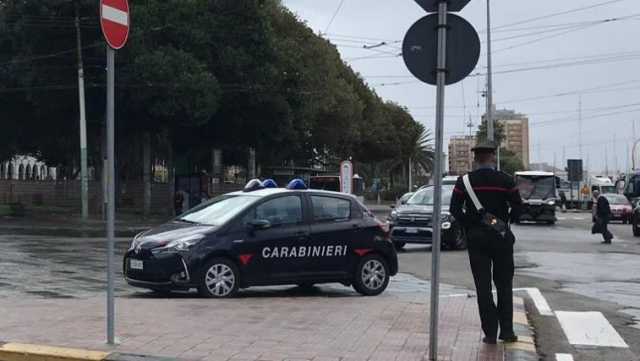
x=114, y=21
x=420, y=45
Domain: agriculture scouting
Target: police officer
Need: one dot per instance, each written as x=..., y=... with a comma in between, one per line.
x=489, y=249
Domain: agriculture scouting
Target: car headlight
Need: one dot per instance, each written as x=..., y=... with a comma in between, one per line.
x=180, y=244
x=393, y=216
x=134, y=242
x=551, y=203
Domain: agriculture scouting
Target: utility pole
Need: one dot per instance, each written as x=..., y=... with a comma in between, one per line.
x=627, y=167
x=410, y=174
x=84, y=182
x=580, y=125
x=490, y=130
x=606, y=161
x=490, y=124
x=615, y=155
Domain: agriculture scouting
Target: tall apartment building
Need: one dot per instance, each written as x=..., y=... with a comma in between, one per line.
x=460, y=156
x=516, y=131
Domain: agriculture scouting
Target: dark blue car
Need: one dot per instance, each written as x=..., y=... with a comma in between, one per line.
x=260, y=237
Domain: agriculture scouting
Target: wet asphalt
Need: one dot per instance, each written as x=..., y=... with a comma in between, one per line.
x=569, y=265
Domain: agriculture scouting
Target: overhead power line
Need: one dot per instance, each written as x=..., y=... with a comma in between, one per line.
x=547, y=16
x=334, y=16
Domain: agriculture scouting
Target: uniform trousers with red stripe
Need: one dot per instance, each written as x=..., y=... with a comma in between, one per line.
x=491, y=257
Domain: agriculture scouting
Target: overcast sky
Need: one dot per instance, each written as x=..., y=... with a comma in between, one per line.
x=608, y=80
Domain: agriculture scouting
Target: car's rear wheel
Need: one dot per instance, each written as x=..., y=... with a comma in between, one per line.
x=399, y=245
x=219, y=279
x=372, y=275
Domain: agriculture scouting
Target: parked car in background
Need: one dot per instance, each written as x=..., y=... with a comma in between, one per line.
x=621, y=209
x=403, y=200
x=412, y=222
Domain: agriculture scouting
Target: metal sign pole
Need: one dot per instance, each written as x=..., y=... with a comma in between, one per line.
x=437, y=178
x=111, y=192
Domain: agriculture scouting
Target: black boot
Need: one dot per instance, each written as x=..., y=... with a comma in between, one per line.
x=489, y=340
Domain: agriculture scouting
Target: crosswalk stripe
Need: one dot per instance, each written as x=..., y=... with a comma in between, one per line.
x=538, y=299
x=589, y=329
x=564, y=357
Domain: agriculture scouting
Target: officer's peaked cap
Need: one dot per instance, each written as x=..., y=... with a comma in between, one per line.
x=484, y=147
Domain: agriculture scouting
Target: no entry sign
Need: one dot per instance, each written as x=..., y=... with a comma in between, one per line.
x=114, y=21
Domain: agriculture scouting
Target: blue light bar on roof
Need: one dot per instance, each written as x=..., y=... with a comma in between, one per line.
x=296, y=184
x=253, y=185
x=269, y=183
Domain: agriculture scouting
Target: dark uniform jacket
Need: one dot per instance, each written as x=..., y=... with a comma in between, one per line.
x=603, y=210
x=497, y=193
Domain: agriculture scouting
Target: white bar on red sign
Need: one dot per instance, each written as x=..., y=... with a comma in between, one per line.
x=116, y=15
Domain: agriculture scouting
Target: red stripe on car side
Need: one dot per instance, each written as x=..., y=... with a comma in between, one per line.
x=245, y=258
x=362, y=251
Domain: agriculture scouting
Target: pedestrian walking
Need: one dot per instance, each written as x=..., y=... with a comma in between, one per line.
x=602, y=216
x=481, y=201
x=563, y=202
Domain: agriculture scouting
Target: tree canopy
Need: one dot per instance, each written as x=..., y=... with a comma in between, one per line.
x=197, y=74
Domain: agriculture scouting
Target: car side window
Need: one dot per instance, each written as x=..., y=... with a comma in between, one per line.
x=279, y=211
x=330, y=209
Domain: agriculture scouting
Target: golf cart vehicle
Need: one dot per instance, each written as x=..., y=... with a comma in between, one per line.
x=538, y=192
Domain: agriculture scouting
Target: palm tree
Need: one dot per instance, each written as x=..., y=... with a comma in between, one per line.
x=417, y=154
x=421, y=153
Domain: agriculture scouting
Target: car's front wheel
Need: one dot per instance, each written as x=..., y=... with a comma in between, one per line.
x=372, y=275
x=219, y=279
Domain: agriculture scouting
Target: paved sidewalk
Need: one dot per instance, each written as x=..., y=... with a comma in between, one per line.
x=330, y=323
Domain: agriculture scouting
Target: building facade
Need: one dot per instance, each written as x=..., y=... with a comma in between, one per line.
x=460, y=155
x=22, y=167
x=516, y=132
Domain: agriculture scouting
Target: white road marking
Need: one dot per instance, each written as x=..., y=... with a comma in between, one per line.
x=578, y=218
x=564, y=357
x=589, y=329
x=116, y=15
x=538, y=299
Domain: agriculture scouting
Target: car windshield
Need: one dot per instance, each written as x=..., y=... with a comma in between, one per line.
x=424, y=197
x=608, y=189
x=219, y=210
x=536, y=187
x=616, y=199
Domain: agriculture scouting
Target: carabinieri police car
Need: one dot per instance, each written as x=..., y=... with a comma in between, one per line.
x=265, y=236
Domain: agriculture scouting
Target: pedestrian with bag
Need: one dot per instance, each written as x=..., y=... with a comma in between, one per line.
x=563, y=202
x=602, y=217
x=485, y=201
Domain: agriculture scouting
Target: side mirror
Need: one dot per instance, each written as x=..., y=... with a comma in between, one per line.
x=392, y=206
x=404, y=201
x=258, y=224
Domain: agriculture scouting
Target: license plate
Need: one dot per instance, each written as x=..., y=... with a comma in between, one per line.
x=411, y=230
x=136, y=264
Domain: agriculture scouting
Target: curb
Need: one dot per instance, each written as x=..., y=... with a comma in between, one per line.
x=31, y=352
x=525, y=349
